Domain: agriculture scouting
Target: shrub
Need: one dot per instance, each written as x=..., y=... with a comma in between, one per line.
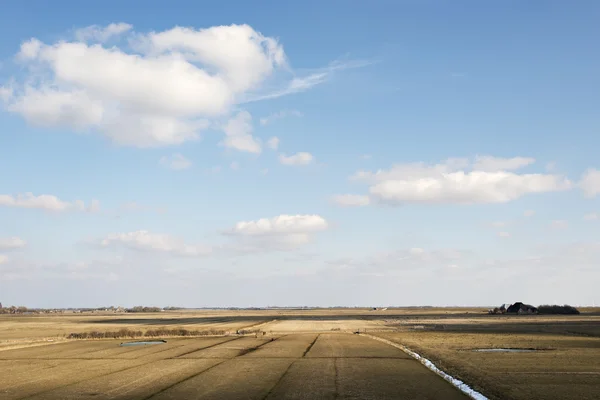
x=158, y=332
x=556, y=309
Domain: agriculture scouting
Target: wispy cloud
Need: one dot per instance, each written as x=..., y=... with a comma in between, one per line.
x=279, y=115
x=175, y=162
x=304, y=83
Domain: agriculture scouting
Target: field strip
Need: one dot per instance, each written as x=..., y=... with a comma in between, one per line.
x=202, y=372
x=460, y=385
x=310, y=346
x=183, y=380
x=21, y=345
x=255, y=326
x=202, y=348
x=553, y=373
x=279, y=380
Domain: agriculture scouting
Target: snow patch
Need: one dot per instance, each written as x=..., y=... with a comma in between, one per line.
x=460, y=385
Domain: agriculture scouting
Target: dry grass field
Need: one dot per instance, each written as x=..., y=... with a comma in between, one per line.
x=301, y=354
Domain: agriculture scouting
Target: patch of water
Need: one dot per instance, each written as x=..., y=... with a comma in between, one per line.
x=143, y=343
x=499, y=350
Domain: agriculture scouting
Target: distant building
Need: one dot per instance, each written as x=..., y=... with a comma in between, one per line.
x=521, y=308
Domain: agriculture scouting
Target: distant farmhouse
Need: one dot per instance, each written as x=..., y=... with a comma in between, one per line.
x=516, y=308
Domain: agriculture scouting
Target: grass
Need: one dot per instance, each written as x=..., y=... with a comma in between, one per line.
x=565, y=367
x=313, y=355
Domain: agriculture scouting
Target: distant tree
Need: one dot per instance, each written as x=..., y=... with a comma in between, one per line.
x=556, y=309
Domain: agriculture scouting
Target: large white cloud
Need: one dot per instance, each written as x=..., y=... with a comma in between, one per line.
x=11, y=243
x=283, y=232
x=460, y=181
x=46, y=202
x=143, y=240
x=158, y=91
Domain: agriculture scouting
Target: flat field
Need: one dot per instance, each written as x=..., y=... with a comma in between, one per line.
x=302, y=354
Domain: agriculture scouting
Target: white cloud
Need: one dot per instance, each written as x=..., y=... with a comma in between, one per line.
x=284, y=232
x=162, y=93
x=273, y=143
x=175, y=162
x=29, y=50
x=48, y=106
x=301, y=158
x=503, y=234
x=499, y=224
x=304, y=83
x=238, y=134
x=366, y=157
x=493, y=164
x=590, y=217
x=11, y=243
x=3, y=259
x=282, y=224
x=146, y=241
x=400, y=261
x=351, y=200
x=559, y=224
x=457, y=181
x=102, y=34
x=590, y=182
x=528, y=213
x=279, y=115
x=46, y=202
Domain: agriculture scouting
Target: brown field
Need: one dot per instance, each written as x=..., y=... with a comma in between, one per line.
x=302, y=354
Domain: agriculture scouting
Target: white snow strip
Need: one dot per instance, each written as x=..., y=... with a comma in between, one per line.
x=460, y=385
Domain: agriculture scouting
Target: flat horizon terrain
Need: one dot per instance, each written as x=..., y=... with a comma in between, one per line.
x=301, y=354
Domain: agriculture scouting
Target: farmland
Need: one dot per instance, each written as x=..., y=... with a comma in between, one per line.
x=301, y=354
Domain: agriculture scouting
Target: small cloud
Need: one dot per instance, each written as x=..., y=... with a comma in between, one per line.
x=234, y=165
x=11, y=243
x=365, y=157
x=590, y=183
x=528, y=213
x=101, y=34
x=214, y=170
x=94, y=206
x=273, y=143
x=301, y=158
x=238, y=134
x=590, y=217
x=46, y=202
x=499, y=224
x=175, y=162
x=351, y=200
x=265, y=171
x=551, y=166
x=559, y=224
x=279, y=115
x=503, y=234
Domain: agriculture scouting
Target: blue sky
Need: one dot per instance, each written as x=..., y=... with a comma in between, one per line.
x=338, y=153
